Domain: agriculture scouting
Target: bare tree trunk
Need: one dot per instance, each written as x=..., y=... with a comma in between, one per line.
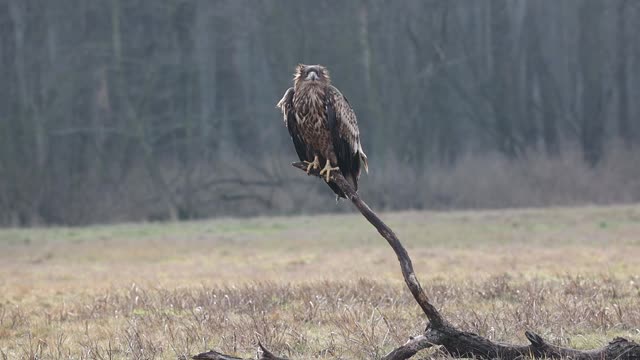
x=28, y=114
x=544, y=94
x=138, y=126
x=502, y=78
x=625, y=129
x=591, y=81
x=373, y=111
x=363, y=38
x=206, y=65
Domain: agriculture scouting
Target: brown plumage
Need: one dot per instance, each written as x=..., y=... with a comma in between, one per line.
x=323, y=125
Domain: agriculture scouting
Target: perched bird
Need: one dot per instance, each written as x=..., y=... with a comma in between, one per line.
x=323, y=126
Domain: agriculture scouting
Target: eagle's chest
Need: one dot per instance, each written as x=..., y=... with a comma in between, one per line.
x=311, y=115
x=310, y=112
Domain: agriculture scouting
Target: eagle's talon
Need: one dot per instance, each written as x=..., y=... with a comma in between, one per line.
x=327, y=170
x=315, y=164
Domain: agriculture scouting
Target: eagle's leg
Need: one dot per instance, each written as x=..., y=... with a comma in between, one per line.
x=315, y=164
x=327, y=170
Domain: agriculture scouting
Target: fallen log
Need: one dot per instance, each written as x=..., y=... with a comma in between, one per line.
x=439, y=332
x=263, y=354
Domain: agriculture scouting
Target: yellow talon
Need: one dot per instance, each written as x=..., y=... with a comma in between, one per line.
x=328, y=169
x=315, y=164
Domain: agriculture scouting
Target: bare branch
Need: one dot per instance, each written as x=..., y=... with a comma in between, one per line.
x=439, y=332
x=403, y=257
x=214, y=355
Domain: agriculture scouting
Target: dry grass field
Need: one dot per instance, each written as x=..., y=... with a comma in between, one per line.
x=316, y=286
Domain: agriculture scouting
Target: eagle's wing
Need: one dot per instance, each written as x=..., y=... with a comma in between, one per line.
x=286, y=106
x=345, y=136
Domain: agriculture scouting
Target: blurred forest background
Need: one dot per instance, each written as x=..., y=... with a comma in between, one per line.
x=127, y=110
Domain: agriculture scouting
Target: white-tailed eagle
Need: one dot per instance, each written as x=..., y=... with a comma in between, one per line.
x=323, y=125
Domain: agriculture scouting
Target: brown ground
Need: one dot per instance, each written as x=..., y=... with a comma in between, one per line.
x=316, y=286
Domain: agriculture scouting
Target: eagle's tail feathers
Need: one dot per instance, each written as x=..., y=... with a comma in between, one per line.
x=353, y=179
x=363, y=158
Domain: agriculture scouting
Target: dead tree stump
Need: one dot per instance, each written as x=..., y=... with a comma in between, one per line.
x=439, y=331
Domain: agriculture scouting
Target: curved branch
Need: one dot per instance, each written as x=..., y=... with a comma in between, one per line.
x=452, y=340
x=439, y=332
x=403, y=257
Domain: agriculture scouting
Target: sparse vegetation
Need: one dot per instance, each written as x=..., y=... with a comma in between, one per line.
x=316, y=287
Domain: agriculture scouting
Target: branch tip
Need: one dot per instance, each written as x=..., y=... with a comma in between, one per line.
x=535, y=339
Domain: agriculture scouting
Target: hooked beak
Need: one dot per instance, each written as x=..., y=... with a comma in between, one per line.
x=312, y=76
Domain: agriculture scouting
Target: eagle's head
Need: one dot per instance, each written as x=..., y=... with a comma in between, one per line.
x=314, y=75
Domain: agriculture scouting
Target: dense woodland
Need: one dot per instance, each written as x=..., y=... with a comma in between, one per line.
x=125, y=110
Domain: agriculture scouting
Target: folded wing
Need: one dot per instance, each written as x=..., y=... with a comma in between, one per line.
x=345, y=135
x=286, y=106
